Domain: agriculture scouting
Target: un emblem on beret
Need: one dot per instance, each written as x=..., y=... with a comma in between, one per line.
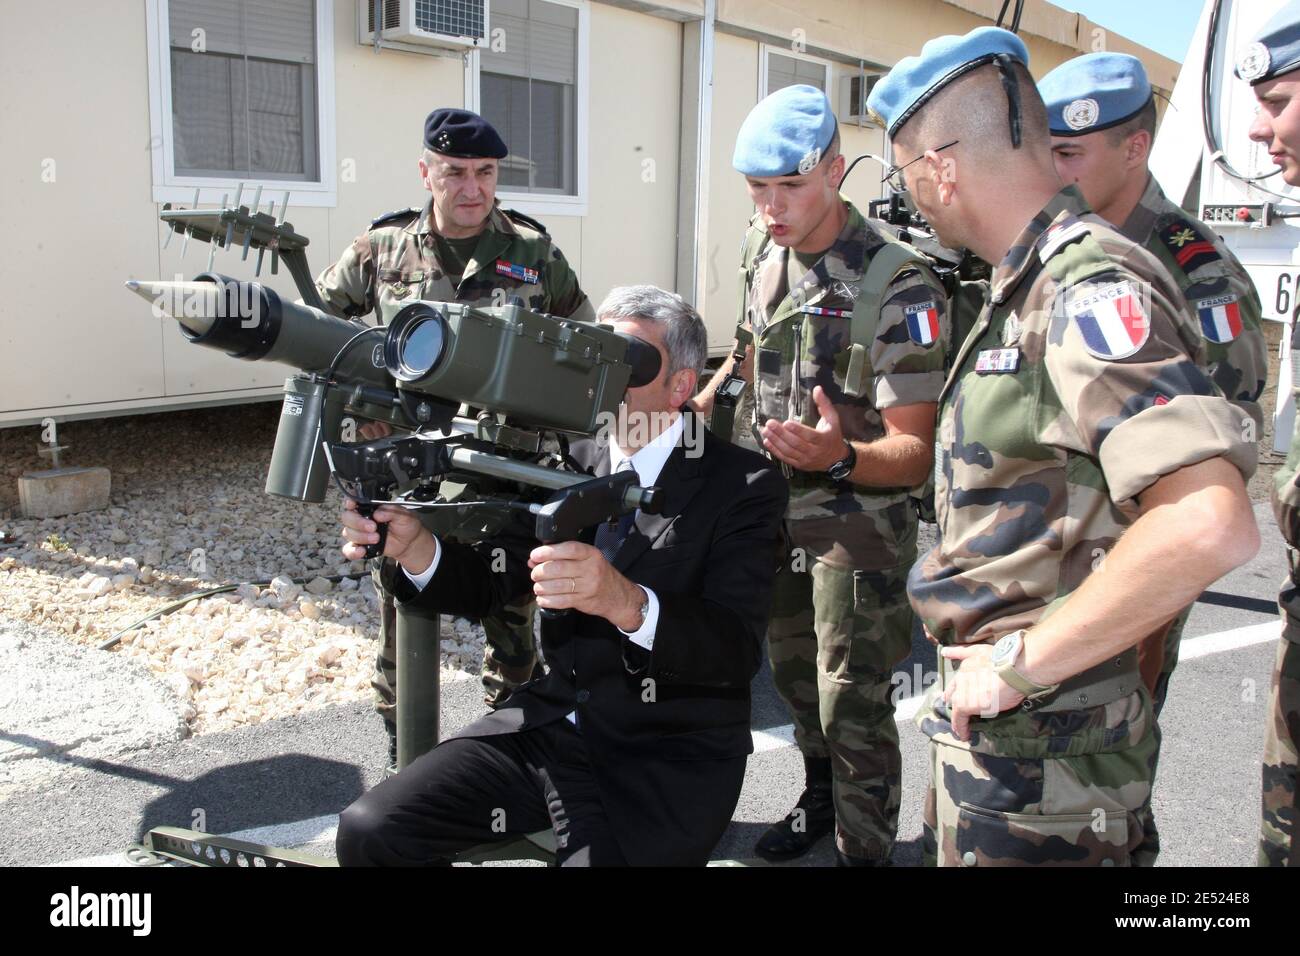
x=1081, y=114
x=1254, y=62
x=810, y=161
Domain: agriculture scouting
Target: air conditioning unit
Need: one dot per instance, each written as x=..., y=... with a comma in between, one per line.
x=854, y=91
x=443, y=24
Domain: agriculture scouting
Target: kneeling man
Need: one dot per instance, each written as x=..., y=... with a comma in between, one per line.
x=632, y=747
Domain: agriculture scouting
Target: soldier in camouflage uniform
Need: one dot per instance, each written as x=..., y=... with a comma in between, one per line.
x=852, y=441
x=460, y=247
x=1271, y=64
x=1102, y=116
x=1075, y=412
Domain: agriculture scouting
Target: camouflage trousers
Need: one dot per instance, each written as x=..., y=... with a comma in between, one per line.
x=1045, y=789
x=1278, y=845
x=508, y=659
x=1146, y=853
x=834, y=638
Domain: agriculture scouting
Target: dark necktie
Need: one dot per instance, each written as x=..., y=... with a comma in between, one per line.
x=610, y=535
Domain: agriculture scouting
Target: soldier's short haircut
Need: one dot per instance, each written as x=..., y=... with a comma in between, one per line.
x=1144, y=120
x=685, y=338
x=974, y=110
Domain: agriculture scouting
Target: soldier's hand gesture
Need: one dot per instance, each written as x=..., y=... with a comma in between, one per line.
x=805, y=448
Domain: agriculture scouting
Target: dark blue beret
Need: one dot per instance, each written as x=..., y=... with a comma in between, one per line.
x=1275, y=49
x=462, y=134
x=1094, y=92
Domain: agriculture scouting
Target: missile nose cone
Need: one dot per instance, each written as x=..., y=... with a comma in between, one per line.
x=192, y=304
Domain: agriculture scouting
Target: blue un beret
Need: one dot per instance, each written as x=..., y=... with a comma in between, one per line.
x=462, y=134
x=915, y=79
x=786, y=134
x=1275, y=49
x=1094, y=92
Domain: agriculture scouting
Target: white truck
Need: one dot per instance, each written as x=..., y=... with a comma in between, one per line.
x=1202, y=154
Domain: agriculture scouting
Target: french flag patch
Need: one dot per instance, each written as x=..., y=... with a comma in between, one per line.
x=922, y=323
x=1220, y=318
x=1112, y=320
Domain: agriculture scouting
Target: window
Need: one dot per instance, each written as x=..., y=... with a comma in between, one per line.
x=530, y=87
x=782, y=68
x=242, y=90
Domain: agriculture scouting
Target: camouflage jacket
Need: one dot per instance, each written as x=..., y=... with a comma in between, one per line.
x=1286, y=508
x=1079, y=387
x=1217, y=289
x=396, y=259
x=801, y=340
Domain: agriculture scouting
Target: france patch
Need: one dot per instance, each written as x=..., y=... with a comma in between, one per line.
x=1220, y=318
x=922, y=323
x=1112, y=321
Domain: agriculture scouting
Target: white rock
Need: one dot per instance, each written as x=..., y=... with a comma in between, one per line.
x=309, y=610
x=328, y=655
x=147, y=575
x=99, y=585
x=123, y=581
x=284, y=588
x=319, y=585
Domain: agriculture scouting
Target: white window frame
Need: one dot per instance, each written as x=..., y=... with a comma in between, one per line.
x=548, y=204
x=764, y=49
x=169, y=186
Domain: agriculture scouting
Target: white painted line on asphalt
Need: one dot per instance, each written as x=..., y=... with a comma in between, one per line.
x=1233, y=640
x=323, y=829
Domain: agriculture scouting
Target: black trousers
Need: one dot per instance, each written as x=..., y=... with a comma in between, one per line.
x=470, y=791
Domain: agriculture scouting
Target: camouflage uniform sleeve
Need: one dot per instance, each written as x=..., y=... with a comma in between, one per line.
x=1239, y=367
x=564, y=296
x=907, y=355
x=348, y=286
x=1142, y=413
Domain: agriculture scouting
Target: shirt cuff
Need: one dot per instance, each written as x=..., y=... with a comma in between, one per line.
x=645, y=634
x=424, y=577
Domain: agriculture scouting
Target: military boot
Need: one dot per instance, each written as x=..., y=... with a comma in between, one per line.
x=811, y=819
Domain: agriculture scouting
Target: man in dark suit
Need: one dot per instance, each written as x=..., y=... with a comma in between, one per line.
x=632, y=747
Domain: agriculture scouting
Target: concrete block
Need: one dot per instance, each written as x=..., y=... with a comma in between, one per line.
x=63, y=491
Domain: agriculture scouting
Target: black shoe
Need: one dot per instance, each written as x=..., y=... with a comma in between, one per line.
x=812, y=818
x=843, y=859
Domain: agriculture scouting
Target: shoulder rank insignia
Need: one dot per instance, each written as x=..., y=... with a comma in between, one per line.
x=518, y=216
x=521, y=273
x=922, y=323
x=833, y=313
x=395, y=215
x=1220, y=318
x=1190, y=249
x=1112, y=320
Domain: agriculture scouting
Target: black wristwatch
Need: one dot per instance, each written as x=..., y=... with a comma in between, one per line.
x=841, y=470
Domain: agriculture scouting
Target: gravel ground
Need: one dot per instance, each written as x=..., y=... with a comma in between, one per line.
x=188, y=512
x=89, y=703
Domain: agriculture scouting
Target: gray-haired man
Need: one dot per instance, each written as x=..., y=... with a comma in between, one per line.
x=632, y=747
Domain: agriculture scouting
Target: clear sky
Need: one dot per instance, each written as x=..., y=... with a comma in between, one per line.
x=1165, y=26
